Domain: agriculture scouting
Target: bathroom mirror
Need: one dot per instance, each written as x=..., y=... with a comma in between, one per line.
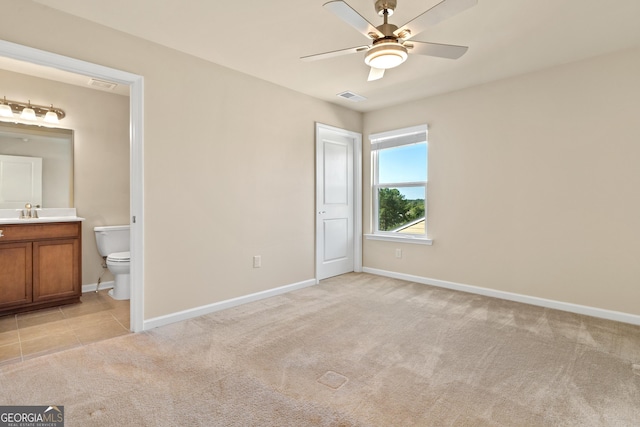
x=21, y=147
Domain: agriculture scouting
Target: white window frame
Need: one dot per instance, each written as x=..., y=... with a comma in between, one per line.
x=390, y=139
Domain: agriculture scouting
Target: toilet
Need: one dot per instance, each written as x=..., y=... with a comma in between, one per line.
x=113, y=243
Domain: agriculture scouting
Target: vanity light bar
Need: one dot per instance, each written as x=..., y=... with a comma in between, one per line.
x=8, y=108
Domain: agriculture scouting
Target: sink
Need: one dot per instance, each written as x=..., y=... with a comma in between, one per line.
x=12, y=216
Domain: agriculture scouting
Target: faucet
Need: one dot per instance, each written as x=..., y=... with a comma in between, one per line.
x=28, y=213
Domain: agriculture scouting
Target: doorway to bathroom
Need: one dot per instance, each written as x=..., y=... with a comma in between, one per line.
x=135, y=83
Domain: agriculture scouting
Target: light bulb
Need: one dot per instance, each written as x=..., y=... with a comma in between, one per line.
x=28, y=114
x=5, y=110
x=51, y=117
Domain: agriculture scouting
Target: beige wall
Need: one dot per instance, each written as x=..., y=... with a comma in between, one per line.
x=228, y=169
x=100, y=122
x=533, y=185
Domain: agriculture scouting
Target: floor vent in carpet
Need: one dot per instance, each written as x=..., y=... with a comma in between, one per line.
x=333, y=380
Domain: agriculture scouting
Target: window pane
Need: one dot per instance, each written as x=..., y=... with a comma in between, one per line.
x=407, y=163
x=401, y=210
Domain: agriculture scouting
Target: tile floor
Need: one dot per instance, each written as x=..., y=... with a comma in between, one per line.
x=27, y=335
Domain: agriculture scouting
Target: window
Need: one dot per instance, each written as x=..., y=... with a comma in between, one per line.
x=399, y=165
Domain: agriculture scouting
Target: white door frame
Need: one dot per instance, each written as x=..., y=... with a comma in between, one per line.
x=136, y=111
x=357, y=196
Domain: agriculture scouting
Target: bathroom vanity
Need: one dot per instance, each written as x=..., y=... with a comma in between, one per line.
x=40, y=263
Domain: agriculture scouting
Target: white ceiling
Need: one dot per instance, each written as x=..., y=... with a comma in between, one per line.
x=266, y=38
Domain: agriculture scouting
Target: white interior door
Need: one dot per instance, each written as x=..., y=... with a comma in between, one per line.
x=20, y=181
x=335, y=202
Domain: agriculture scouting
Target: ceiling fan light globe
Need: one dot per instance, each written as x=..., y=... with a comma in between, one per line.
x=385, y=56
x=386, y=61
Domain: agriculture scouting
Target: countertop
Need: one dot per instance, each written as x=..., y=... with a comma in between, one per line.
x=12, y=216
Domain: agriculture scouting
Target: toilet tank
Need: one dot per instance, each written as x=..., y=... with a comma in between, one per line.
x=112, y=238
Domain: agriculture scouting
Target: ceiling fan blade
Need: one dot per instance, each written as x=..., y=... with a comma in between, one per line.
x=443, y=10
x=375, y=74
x=334, y=53
x=450, y=51
x=345, y=12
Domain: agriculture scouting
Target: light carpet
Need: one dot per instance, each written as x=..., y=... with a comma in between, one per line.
x=356, y=350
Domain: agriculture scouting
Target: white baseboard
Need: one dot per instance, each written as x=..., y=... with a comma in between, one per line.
x=222, y=305
x=541, y=302
x=92, y=286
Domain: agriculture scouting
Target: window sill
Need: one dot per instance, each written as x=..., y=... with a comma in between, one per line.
x=403, y=239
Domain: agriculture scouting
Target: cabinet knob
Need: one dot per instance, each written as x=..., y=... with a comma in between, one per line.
x=1, y=235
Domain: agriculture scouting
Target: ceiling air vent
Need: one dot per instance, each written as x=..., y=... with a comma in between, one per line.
x=353, y=97
x=102, y=84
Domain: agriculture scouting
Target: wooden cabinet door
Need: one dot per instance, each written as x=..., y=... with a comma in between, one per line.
x=56, y=269
x=15, y=274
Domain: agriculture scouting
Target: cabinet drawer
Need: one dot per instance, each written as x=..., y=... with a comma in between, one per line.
x=56, y=230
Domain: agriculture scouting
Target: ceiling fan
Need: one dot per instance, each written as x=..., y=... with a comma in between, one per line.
x=391, y=45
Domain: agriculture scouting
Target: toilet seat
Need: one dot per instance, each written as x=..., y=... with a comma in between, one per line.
x=119, y=257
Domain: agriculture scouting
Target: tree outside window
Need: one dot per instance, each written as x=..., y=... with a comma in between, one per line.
x=395, y=211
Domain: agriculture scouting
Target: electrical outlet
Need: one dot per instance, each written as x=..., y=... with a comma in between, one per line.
x=257, y=261
x=398, y=253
